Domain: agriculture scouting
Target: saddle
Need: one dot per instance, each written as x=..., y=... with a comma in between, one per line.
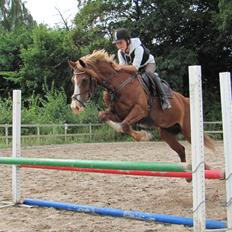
x=145, y=81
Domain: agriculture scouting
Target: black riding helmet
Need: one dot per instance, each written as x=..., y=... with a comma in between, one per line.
x=121, y=33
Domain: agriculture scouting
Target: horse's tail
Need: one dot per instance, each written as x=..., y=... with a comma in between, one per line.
x=209, y=142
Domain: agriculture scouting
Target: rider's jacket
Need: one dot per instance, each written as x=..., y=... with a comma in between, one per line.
x=138, y=55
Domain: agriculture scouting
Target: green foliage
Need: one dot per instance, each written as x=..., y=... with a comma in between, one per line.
x=225, y=15
x=11, y=44
x=90, y=114
x=45, y=61
x=173, y=67
x=14, y=14
x=5, y=111
x=53, y=109
x=31, y=113
x=50, y=110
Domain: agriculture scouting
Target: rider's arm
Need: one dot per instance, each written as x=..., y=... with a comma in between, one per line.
x=138, y=57
x=134, y=67
x=127, y=68
x=120, y=58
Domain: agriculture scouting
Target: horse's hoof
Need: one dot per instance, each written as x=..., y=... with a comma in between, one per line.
x=116, y=126
x=145, y=136
x=207, y=167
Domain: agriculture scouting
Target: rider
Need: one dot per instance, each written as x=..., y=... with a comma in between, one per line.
x=134, y=56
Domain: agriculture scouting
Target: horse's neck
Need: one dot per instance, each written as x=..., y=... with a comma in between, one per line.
x=116, y=77
x=109, y=77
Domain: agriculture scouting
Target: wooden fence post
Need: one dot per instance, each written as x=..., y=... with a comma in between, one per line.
x=38, y=134
x=7, y=134
x=65, y=131
x=90, y=132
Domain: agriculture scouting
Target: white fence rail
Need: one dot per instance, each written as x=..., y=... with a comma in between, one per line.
x=65, y=131
x=55, y=130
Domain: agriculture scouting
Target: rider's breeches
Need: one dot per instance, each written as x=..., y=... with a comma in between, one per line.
x=150, y=69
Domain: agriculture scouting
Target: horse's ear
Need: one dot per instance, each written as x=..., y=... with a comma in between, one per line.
x=82, y=63
x=72, y=64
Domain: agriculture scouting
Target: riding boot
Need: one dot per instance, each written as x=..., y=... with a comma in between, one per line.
x=165, y=103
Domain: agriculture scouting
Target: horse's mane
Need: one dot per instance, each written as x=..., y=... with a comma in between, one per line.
x=97, y=55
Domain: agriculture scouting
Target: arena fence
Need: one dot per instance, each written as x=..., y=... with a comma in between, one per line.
x=65, y=133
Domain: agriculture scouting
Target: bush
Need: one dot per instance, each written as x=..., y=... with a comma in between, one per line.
x=5, y=111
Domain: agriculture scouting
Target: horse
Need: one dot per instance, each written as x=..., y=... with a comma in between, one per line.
x=128, y=103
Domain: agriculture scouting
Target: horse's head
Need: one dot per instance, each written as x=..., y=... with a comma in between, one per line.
x=90, y=70
x=84, y=86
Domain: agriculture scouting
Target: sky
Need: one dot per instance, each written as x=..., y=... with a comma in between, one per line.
x=44, y=11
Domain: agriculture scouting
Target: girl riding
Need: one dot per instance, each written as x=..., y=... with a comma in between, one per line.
x=133, y=56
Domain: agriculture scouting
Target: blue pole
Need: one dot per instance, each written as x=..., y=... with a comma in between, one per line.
x=171, y=219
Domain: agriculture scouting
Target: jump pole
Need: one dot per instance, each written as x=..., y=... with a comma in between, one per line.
x=162, y=218
x=209, y=174
x=226, y=104
x=98, y=164
x=197, y=140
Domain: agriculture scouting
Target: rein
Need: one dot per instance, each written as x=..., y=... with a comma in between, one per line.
x=126, y=82
x=113, y=91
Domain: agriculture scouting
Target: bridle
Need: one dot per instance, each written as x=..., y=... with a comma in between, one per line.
x=105, y=84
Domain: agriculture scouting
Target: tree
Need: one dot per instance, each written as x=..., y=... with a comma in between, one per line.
x=11, y=44
x=13, y=14
x=15, y=25
x=225, y=15
x=45, y=63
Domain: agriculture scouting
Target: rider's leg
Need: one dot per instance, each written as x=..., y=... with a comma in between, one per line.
x=150, y=70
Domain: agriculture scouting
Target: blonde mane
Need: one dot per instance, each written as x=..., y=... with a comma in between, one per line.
x=97, y=55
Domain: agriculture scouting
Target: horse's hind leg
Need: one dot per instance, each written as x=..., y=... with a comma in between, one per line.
x=187, y=135
x=173, y=143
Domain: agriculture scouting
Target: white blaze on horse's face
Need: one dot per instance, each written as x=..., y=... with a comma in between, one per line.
x=77, y=105
x=76, y=90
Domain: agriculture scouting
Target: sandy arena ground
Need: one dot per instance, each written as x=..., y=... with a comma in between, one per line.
x=150, y=194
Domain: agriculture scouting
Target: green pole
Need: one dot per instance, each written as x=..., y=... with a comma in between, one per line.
x=98, y=164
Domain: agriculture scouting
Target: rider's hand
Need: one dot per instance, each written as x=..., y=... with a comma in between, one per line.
x=117, y=67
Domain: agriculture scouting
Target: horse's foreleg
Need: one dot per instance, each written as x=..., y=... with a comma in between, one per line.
x=136, y=114
x=137, y=135
x=105, y=116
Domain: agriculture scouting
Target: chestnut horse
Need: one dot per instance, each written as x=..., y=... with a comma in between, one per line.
x=128, y=104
